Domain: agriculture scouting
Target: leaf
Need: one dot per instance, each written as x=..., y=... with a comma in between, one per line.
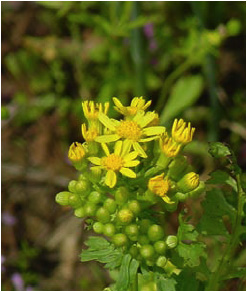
x=221, y=177
x=184, y=93
x=102, y=251
x=188, y=248
x=134, y=264
x=187, y=281
x=166, y=284
x=123, y=280
x=218, y=150
x=215, y=207
x=238, y=272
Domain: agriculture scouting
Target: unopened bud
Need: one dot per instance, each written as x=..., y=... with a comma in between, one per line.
x=177, y=168
x=188, y=183
x=171, y=241
x=62, y=198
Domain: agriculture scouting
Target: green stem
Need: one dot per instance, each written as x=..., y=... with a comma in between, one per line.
x=224, y=264
x=135, y=283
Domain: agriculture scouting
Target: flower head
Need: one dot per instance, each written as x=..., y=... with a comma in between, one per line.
x=89, y=134
x=137, y=104
x=189, y=182
x=168, y=146
x=182, y=133
x=92, y=109
x=160, y=186
x=76, y=152
x=119, y=161
x=134, y=131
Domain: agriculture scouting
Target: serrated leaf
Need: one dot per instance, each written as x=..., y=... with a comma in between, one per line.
x=221, y=177
x=215, y=207
x=123, y=280
x=184, y=93
x=187, y=281
x=218, y=150
x=97, y=243
x=166, y=284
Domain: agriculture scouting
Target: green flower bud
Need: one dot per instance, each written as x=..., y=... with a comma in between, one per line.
x=75, y=201
x=143, y=240
x=155, y=232
x=132, y=231
x=98, y=227
x=125, y=216
x=177, y=168
x=80, y=212
x=171, y=241
x=197, y=191
x=120, y=239
x=82, y=186
x=188, y=183
x=121, y=195
x=160, y=247
x=103, y=215
x=134, y=206
x=62, y=198
x=95, y=197
x=72, y=186
x=144, y=225
x=90, y=209
x=134, y=251
x=150, y=263
x=161, y=261
x=147, y=251
x=109, y=229
x=110, y=205
x=181, y=196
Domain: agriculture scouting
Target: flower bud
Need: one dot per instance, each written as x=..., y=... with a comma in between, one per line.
x=155, y=232
x=197, y=191
x=103, y=215
x=110, y=205
x=98, y=227
x=76, y=152
x=72, y=186
x=182, y=133
x=109, y=229
x=62, y=198
x=75, y=201
x=132, y=231
x=160, y=247
x=82, y=187
x=122, y=195
x=125, y=216
x=95, y=197
x=147, y=251
x=177, y=168
x=188, y=183
x=120, y=239
x=160, y=186
x=171, y=241
x=161, y=261
x=80, y=212
x=134, y=206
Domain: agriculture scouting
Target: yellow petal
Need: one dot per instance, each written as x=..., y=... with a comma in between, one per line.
x=154, y=130
x=117, y=102
x=148, y=139
x=111, y=178
x=106, y=121
x=107, y=138
x=131, y=163
x=139, y=149
x=128, y=172
x=126, y=147
x=167, y=200
x=95, y=160
x=147, y=105
x=118, y=147
x=131, y=156
x=105, y=149
x=145, y=120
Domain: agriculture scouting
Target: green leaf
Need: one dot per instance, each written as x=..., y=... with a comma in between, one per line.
x=102, y=251
x=166, y=284
x=221, y=177
x=238, y=272
x=215, y=207
x=218, y=150
x=123, y=281
x=134, y=264
x=184, y=93
x=187, y=280
x=188, y=248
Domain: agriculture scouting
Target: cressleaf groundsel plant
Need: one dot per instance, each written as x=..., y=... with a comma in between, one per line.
x=132, y=174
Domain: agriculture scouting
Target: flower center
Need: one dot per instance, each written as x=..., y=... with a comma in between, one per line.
x=162, y=188
x=112, y=162
x=129, y=129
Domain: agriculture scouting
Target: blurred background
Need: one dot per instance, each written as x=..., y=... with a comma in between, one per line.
x=187, y=57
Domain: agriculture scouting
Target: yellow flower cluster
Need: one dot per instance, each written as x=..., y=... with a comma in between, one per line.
x=121, y=143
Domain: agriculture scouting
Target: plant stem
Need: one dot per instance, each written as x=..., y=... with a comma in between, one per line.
x=135, y=283
x=224, y=264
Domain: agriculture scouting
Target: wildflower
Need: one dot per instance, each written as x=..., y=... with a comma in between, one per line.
x=168, y=146
x=137, y=104
x=182, y=133
x=134, y=131
x=189, y=182
x=92, y=109
x=119, y=161
x=76, y=152
x=160, y=186
x=89, y=134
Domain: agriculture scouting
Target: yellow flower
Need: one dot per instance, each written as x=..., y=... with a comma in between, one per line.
x=182, y=133
x=137, y=104
x=168, y=146
x=76, y=152
x=90, y=134
x=134, y=131
x=92, y=109
x=160, y=186
x=189, y=182
x=119, y=161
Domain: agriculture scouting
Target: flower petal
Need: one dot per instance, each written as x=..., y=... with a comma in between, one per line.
x=154, y=130
x=106, y=121
x=139, y=149
x=117, y=102
x=126, y=147
x=95, y=160
x=131, y=163
x=148, y=139
x=107, y=138
x=145, y=120
x=111, y=178
x=167, y=200
x=131, y=156
x=105, y=149
x=128, y=172
x=118, y=147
